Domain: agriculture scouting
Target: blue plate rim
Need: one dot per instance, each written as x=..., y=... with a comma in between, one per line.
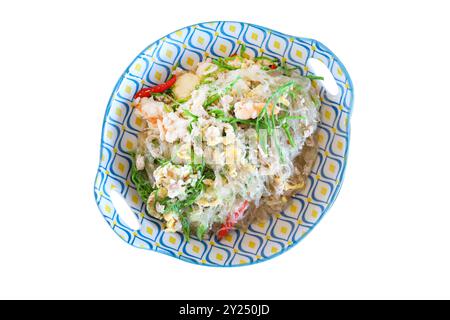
x=339, y=186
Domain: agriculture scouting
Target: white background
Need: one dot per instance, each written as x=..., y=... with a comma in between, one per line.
x=387, y=235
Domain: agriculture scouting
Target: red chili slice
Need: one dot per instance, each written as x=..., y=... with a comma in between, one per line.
x=273, y=67
x=232, y=220
x=147, y=92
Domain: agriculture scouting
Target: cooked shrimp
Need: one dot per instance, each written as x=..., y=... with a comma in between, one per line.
x=251, y=110
x=172, y=127
x=150, y=110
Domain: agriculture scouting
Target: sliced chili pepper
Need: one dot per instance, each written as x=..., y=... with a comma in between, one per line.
x=233, y=55
x=273, y=67
x=232, y=220
x=147, y=92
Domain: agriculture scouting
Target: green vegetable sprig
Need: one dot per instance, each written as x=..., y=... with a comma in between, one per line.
x=162, y=162
x=314, y=77
x=140, y=179
x=242, y=50
x=201, y=230
x=287, y=131
x=216, y=96
x=268, y=120
x=286, y=70
x=273, y=60
x=185, y=225
x=218, y=113
x=221, y=63
x=194, y=118
x=211, y=99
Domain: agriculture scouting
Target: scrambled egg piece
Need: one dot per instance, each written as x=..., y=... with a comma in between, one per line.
x=172, y=222
x=174, y=178
x=213, y=136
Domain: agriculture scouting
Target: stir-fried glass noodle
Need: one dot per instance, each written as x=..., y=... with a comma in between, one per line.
x=226, y=144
